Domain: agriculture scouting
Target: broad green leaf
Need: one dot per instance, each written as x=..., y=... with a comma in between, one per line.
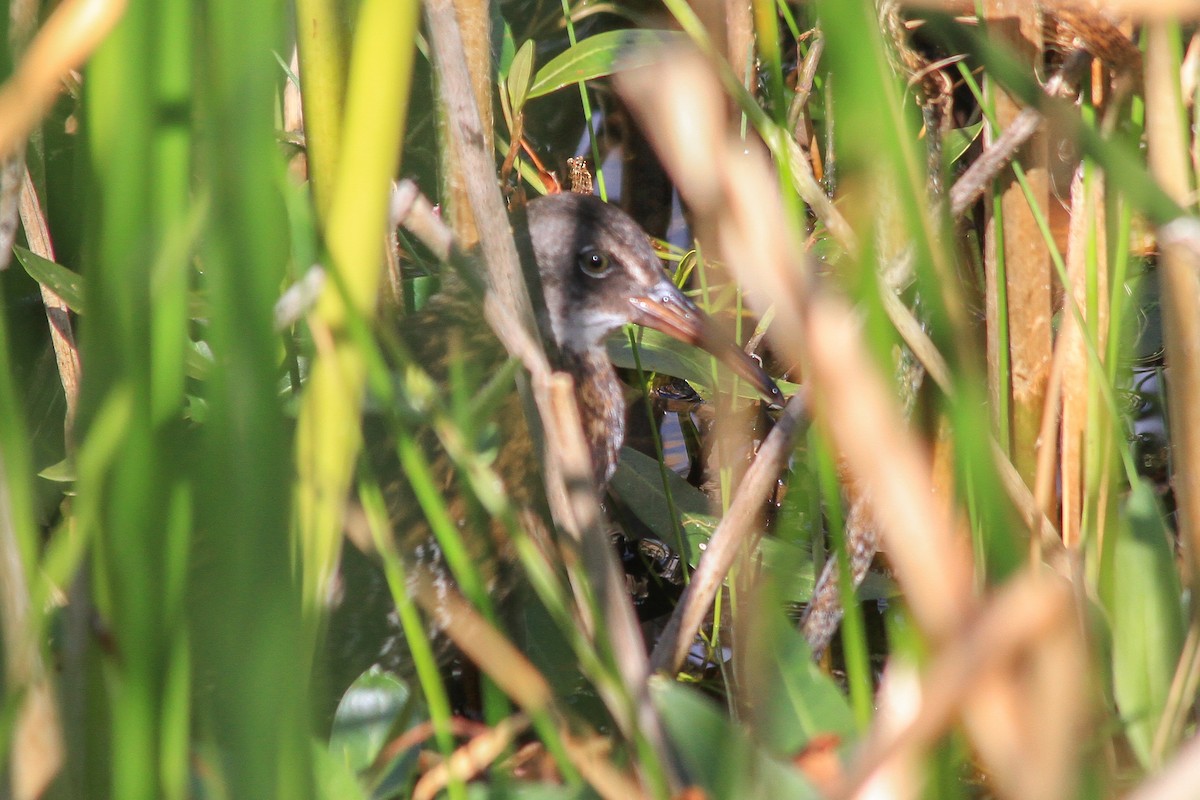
x=639, y=483
x=717, y=755
x=334, y=776
x=1147, y=618
x=520, y=77
x=63, y=282
x=197, y=360
x=600, y=55
x=793, y=700
x=957, y=141
x=662, y=354
x=365, y=716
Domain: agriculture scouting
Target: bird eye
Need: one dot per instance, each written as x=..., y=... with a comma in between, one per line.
x=594, y=262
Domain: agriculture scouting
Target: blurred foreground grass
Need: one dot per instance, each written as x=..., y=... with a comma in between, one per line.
x=1000, y=363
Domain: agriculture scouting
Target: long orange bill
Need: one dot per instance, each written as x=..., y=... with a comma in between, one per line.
x=667, y=309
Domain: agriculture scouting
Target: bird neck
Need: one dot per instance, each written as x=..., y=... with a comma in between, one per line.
x=601, y=408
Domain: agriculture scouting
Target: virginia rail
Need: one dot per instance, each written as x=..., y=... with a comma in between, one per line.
x=596, y=271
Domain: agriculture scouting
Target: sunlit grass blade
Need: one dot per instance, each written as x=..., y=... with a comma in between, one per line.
x=353, y=226
x=133, y=346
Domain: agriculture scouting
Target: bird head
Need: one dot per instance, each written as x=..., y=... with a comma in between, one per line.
x=599, y=272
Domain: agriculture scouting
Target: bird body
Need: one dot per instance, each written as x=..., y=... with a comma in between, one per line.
x=591, y=270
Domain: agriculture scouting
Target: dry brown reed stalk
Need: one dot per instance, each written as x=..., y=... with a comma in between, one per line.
x=930, y=557
x=62, y=335
x=414, y=211
x=890, y=762
x=739, y=39
x=727, y=540
x=1048, y=459
x=1178, y=709
x=474, y=26
x=1179, y=274
x=73, y=30
x=37, y=747
x=37, y=751
x=1016, y=246
x=590, y=755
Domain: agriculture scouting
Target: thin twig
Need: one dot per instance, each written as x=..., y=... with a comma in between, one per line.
x=66, y=353
x=968, y=188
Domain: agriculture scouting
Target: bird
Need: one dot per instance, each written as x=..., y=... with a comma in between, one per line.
x=592, y=270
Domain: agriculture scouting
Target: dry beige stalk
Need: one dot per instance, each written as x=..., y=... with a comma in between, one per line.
x=474, y=25
x=739, y=39
x=931, y=559
x=520, y=680
x=37, y=749
x=727, y=541
x=1018, y=245
x=1027, y=717
x=66, y=352
x=890, y=766
x=1177, y=780
x=1013, y=676
x=590, y=755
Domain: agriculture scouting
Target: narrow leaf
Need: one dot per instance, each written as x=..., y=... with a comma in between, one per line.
x=520, y=77
x=1147, y=619
x=63, y=282
x=600, y=55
